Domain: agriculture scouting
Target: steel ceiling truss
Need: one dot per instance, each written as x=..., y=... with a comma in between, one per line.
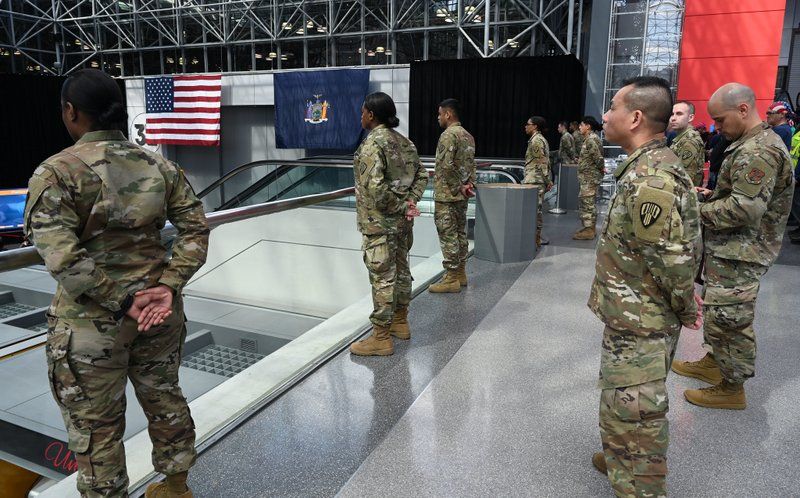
x=139, y=37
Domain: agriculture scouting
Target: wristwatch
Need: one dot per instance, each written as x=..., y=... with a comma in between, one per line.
x=124, y=306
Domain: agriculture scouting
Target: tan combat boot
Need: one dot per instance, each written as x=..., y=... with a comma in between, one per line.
x=706, y=369
x=173, y=487
x=462, y=274
x=378, y=344
x=399, y=326
x=448, y=283
x=599, y=462
x=585, y=233
x=725, y=395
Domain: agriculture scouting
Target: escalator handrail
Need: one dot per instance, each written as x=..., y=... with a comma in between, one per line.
x=26, y=256
x=314, y=171
x=326, y=161
x=262, y=162
x=250, y=191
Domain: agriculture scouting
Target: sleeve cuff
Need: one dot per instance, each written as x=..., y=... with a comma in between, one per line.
x=173, y=283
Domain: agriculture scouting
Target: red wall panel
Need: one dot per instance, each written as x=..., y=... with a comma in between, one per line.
x=726, y=41
x=706, y=7
x=732, y=35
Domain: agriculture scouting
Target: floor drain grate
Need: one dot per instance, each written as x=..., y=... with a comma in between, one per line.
x=13, y=309
x=221, y=360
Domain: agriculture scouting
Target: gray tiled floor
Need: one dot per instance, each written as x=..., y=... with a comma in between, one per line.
x=495, y=396
x=515, y=411
x=312, y=439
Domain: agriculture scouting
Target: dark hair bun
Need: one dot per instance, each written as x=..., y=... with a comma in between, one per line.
x=113, y=117
x=393, y=122
x=96, y=94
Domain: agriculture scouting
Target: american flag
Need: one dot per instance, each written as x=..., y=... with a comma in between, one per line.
x=183, y=110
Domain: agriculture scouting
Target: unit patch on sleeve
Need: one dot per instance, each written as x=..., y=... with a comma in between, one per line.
x=755, y=176
x=649, y=213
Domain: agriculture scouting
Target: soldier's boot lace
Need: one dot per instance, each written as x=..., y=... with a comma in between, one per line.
x=400, y=328
x=378, y=344
x=462, y=274
x=448, y=283
x=585, y=233
x=705, y=369
x=725, y=395
x=173, y=487
x=599, y=462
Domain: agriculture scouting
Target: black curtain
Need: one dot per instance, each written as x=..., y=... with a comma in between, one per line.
x=497, y=97
x=30, y=125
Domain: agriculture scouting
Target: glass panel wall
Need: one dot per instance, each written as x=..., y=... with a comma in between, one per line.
x=645, y=41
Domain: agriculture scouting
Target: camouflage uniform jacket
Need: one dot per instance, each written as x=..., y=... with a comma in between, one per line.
x=647, y=255
x=579, y=139
x=566, y=149
x=688, y=146
x=745, y=218
x=537, y=161
x=94, y=213
x=591, y=160
x=387, y=172
x=455, y=164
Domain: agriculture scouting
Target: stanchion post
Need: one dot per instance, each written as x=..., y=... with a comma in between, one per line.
x=558, y=209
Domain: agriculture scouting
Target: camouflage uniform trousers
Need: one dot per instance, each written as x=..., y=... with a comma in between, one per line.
x=542, y=188
x=587, y=197
x=451, y=224
x=729, y=308
x=386, y=257
x=89, y=361
x=405, y=239
x=633, y=410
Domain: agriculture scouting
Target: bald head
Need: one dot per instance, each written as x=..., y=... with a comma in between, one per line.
x=733, y=109
x=730, y=95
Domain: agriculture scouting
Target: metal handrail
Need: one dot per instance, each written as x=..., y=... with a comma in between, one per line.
x=261, y=162
x=15, y=259
x=336, y=162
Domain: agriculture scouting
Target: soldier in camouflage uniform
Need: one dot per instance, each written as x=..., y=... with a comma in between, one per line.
x=537, y=168
x=94, y=213
x=454, y=181
x=591, y=167
x=389, y=180
x=687, y=145
x=643, y=289
x=567, y=152
x=744, y=221
x=575, y=128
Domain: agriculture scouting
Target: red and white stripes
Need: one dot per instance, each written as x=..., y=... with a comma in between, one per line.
x=196, y=115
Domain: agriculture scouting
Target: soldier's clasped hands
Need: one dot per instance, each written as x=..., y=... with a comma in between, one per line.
x=151, y=306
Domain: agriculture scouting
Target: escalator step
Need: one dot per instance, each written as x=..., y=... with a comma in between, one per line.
x=13, y=309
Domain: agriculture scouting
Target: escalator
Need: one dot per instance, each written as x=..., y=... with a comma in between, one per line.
x=269, y=181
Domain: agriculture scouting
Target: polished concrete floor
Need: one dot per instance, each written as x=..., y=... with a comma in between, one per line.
x=495, y=396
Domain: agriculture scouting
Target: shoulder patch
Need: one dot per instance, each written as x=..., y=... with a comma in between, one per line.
x=755, y=176
x=651, y=213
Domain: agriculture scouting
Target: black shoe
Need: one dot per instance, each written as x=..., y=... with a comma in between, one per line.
x=544, y=241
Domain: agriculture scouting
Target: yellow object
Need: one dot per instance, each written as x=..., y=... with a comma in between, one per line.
x=15, y=482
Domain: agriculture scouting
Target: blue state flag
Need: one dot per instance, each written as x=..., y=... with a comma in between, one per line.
x=320, y=109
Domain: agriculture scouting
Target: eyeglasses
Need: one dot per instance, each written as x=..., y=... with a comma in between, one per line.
x=528, y=124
